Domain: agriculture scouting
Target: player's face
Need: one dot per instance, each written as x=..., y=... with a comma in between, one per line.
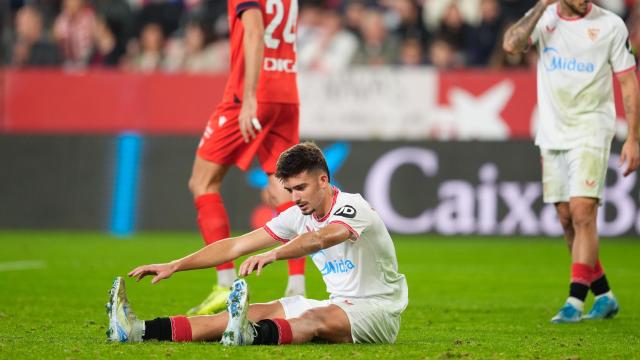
x=578, y=7
x=308, y=190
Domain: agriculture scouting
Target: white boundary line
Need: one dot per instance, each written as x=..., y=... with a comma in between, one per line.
x=22, y=265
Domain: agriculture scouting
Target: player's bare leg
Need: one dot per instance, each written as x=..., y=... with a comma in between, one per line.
x=280, y=200
x=206, y=177
x=586, y=268
x=564, y=216
x=605, y=305
x=585, y=251
x=213, y=221
x=583, y=215
x=328, y=323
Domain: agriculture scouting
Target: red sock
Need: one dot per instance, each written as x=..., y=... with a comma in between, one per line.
x=180, y=329
x=213, y=221
x=598, y=271
x=296, y=266
x=581, y=274
x=285, y=335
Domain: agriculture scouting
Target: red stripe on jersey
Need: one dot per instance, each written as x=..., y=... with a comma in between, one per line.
x=273, y=235
x=333, y=203
x=351, y=230
x=618, y=73
x=573, y=18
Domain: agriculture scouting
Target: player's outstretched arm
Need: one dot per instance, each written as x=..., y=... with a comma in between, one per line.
x=211, y=255
x=630, y=98
x=516, y=38
x=302, y=245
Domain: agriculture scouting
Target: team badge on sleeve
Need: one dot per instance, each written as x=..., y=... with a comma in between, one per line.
x=347, y=211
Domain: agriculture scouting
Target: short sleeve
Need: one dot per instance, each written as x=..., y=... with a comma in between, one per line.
x=620, y=57
x=239, y=6
x=282, y=227
x=355, y=216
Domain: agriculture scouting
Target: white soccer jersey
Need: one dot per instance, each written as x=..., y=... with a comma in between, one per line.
x=363, y=267
x=575, y=90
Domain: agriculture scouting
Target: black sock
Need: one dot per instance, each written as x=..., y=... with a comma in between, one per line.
x=600, y=286
x=267, y=333
x=578, y=291
x=158, y=329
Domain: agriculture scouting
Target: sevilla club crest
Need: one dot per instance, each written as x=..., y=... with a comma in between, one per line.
x=593, y=33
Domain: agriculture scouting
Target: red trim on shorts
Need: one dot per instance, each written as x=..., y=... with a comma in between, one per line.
x=575, y=18
x=351, y=230
x=285, y=335
x=335, y=198
x=624, y=71
x=273, y=235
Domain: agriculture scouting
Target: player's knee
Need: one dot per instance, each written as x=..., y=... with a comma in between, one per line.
x=582, y=217
x=583, y=222
x=199, y=185
x=316, y=321
x=193, y=186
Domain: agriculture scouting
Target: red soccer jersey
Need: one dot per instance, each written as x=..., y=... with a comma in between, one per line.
x=277, y=81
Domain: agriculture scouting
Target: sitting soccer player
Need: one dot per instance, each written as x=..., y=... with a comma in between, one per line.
x=347, y=241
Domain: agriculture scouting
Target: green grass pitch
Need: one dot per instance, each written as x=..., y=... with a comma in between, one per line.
x=470, y=298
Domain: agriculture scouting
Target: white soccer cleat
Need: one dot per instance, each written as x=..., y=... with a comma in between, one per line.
x=239, y=331
x=124, y=326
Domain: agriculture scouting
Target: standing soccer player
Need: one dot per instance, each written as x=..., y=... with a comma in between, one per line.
x=258, y=115
x=348, y=243
x=580, y=46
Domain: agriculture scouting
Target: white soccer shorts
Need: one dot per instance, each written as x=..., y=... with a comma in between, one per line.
x=578, y=172
x=371, y=322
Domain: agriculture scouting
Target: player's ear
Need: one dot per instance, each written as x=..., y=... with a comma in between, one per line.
x=324, y=179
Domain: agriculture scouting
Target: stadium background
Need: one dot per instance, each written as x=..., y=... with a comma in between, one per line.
x=414, y=104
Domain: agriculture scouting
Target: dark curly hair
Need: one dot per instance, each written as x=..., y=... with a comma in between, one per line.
x=305, y=156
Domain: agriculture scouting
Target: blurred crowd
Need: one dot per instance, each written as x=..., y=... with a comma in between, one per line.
x=192, y=35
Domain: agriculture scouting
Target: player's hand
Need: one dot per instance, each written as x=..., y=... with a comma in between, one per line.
x=547, y=2
x=248, y=121
x=256, y=262
x=161, y=272
x=631, y=155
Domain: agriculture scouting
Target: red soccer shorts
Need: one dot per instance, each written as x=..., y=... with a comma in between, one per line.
x=222, y=141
